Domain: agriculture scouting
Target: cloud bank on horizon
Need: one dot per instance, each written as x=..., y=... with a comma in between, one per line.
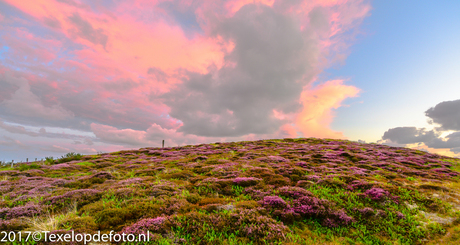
x=107, y=75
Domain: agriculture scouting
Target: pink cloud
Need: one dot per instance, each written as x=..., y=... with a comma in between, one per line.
x=119, y=136
x=288, y=131
x=13, y=143
x=111, y=67
x=22, y=44
x=130, y=44
x=25, y=103
x=318, y=103
x=234, y=6
x=153, y=136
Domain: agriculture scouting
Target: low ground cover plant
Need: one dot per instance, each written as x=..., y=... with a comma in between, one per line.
x=280, y=191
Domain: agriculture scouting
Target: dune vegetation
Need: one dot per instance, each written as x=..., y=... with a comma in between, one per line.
x=280, y=191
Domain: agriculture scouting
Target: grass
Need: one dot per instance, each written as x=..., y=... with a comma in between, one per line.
x=50, y=221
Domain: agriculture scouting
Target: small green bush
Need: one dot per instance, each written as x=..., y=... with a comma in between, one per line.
x=84, y=224
x=193, y=198
x=24, y=167
x=83, y=184
x=49, y=160
x=71, y=156
x=211, y=200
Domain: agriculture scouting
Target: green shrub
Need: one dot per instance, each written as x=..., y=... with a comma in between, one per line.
x=86, y=183
x=277, y=180
x=184, y=175
x=71, y=156
x=247, y=204
x=84, y=224
x=49, y=160
x=193, y=198
x=111, y=218
x=210, y=200
x=24, y=167
x=88, y=164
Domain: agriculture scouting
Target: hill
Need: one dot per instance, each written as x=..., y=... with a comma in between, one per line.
x=287, y=191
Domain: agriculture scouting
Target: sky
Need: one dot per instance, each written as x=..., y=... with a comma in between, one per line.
x=91, y=76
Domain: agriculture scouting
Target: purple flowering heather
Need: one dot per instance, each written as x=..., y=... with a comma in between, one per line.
x=359, y=184
x=76, y=195
x=137, y=161
x=130, y=181
x=141, y=226
x=103, y=175
x=59, y=182
x=366, y=211
x=329, y=222
x=293, y=192
x=308, y=206
x=28, y=210
x=441, y=170
x=35, y=171
x=272, y=159
x=274, y=202
x=257, y=226
x=256, y=193
x=381, y=213
x=358, y=171
x=302, y=164
x=63, y=166
x=313, y=177
x=342, y=218
x=376, y=194
x=400, y=215
x=246, y=181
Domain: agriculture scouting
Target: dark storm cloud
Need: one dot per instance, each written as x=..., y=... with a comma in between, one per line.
x=446, y=114
x=270, y=55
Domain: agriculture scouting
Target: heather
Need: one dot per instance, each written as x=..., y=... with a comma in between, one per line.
x=282, y=191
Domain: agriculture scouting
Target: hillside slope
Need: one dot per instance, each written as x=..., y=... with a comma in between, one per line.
x=288, y=191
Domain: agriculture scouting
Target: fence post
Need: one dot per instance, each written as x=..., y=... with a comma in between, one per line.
x=163, y=144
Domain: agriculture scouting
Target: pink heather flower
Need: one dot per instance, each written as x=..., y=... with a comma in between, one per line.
x=246, y=181
x=377, y=194
x=28, y=210
x=273, y=159
x=274, y=202
x=366, y=211
x=141, y=226
x=294, y=192
x=400, y=215
x=130, y=181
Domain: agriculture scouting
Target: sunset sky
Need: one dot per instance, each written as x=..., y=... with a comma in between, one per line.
x=91, y=76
